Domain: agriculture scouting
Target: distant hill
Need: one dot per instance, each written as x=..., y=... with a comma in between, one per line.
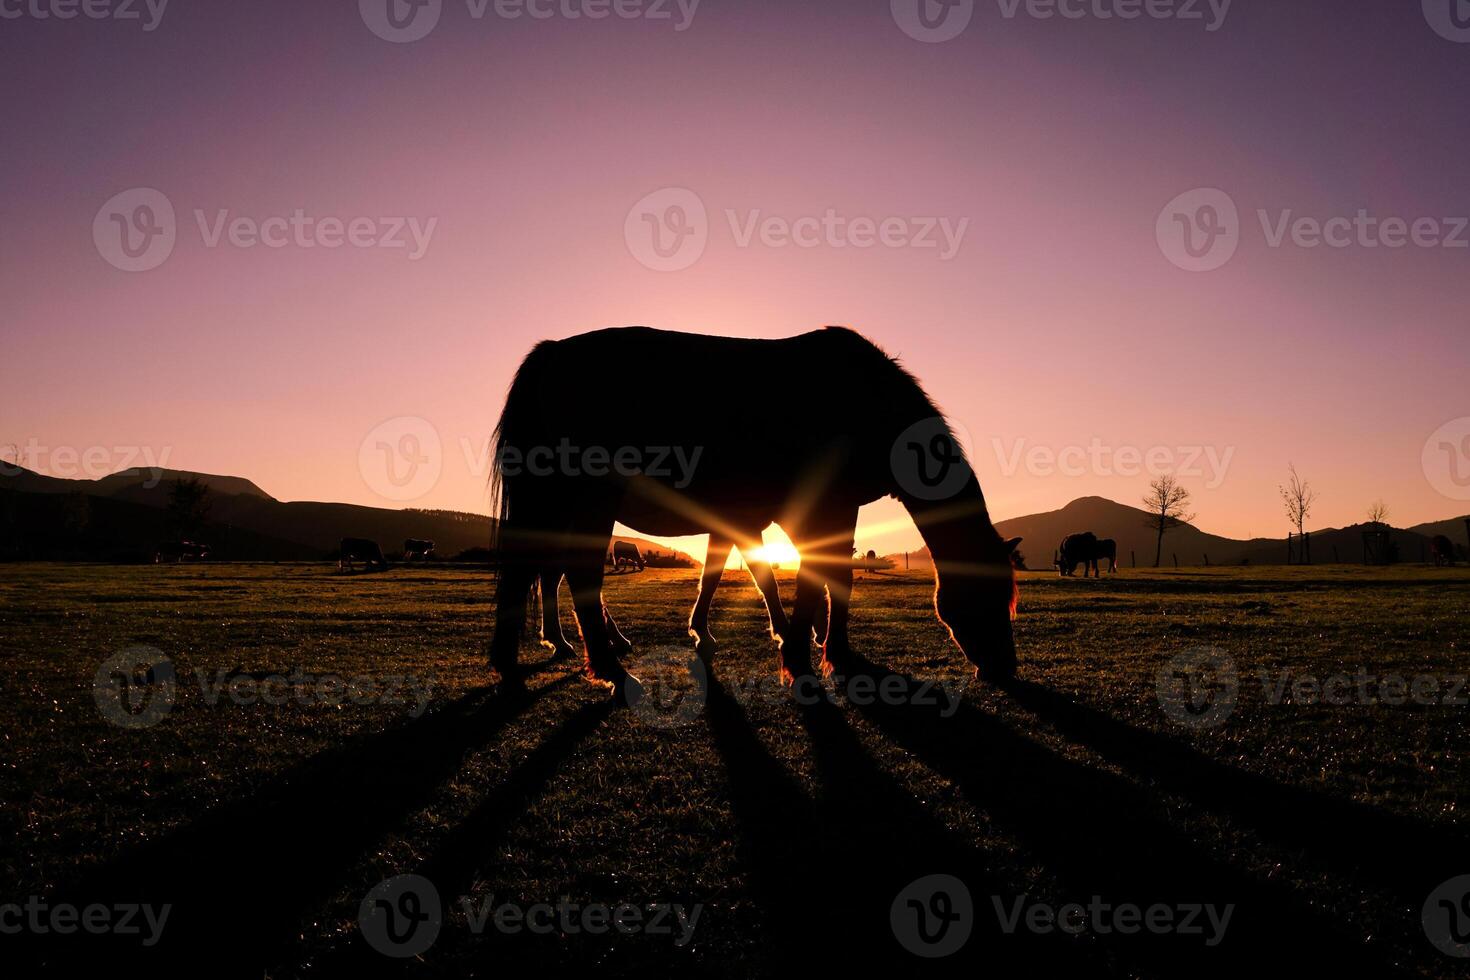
x=1042, y=533
x=122, y=517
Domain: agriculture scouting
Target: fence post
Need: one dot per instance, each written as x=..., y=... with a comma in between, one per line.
x=1176, y=560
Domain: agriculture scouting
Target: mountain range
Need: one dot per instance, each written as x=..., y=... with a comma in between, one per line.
x=125, y=516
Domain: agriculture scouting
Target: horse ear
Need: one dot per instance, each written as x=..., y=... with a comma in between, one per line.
x=1012, y=544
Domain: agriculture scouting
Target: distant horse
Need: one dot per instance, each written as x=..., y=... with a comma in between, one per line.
x=418, y=548
x=1442, y=549
x=180, y=551
x=717, y=553
x=625, y=553
x=1086, y=549
x=363, y=550
x=806, y=463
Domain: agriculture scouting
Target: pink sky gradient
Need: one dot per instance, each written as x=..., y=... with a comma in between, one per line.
x=1059, y=321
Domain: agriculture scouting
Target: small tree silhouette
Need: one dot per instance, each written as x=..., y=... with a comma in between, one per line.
x=1166, y=503
x=1378, y=512
x=1298, y=496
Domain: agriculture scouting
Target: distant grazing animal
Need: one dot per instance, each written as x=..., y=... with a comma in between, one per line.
x=626, y=553
x=1086, y=549
x=1442, y=549
x=806, y=462
x=181, y=551
x=418, y=548
x=363, y=550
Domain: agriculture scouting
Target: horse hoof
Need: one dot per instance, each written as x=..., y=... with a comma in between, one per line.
x=705, y=647
x=512, y=688
x=628, y=690
x=560, y=651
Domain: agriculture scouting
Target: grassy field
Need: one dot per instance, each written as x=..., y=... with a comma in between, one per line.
x=1324, y=821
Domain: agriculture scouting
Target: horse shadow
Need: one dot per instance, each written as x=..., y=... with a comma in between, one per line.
x=1102, y=834
x=242, y=877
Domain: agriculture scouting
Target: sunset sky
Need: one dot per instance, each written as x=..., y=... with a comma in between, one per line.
x=519, y=147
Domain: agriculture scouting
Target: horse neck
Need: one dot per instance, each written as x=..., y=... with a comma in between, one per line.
x=957, y=530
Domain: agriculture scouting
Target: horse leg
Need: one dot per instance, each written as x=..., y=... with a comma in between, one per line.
x=552, y=635
x=709, y=580
x=765, y=580
x=621, y=645
x=820, y=561
x=584, y=576
x=512, y=589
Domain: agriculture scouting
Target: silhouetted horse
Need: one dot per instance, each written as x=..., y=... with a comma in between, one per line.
x=420, y=548
x=626, y=553
x=806, y=463
x=1086, y=549
x=705, y=645
x=180, y=551
x=1442, y=549
x=363, y=550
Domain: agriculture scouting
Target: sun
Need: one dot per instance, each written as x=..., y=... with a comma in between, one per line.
x=782, y=553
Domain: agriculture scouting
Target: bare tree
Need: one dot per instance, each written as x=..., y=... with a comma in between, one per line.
x=1166, y=503
x=1298, y=496
x=1378, y=512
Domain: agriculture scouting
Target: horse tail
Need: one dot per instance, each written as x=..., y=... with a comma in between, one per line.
x=513, y=531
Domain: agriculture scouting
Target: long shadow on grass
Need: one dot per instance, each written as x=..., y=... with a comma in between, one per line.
x=240, y=878
x=877, y=839
x=1406, y=856
x=1103, y=836
x=470, y=848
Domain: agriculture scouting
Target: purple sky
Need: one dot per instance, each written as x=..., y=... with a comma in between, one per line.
x=518, y=147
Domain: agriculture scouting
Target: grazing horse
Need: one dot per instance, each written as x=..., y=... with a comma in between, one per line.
x=1442, y=549
x=717, y=553
x=363, y=550
x=626, y=553
x=419, y=548
x=1085, y=549
x=806, y=463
